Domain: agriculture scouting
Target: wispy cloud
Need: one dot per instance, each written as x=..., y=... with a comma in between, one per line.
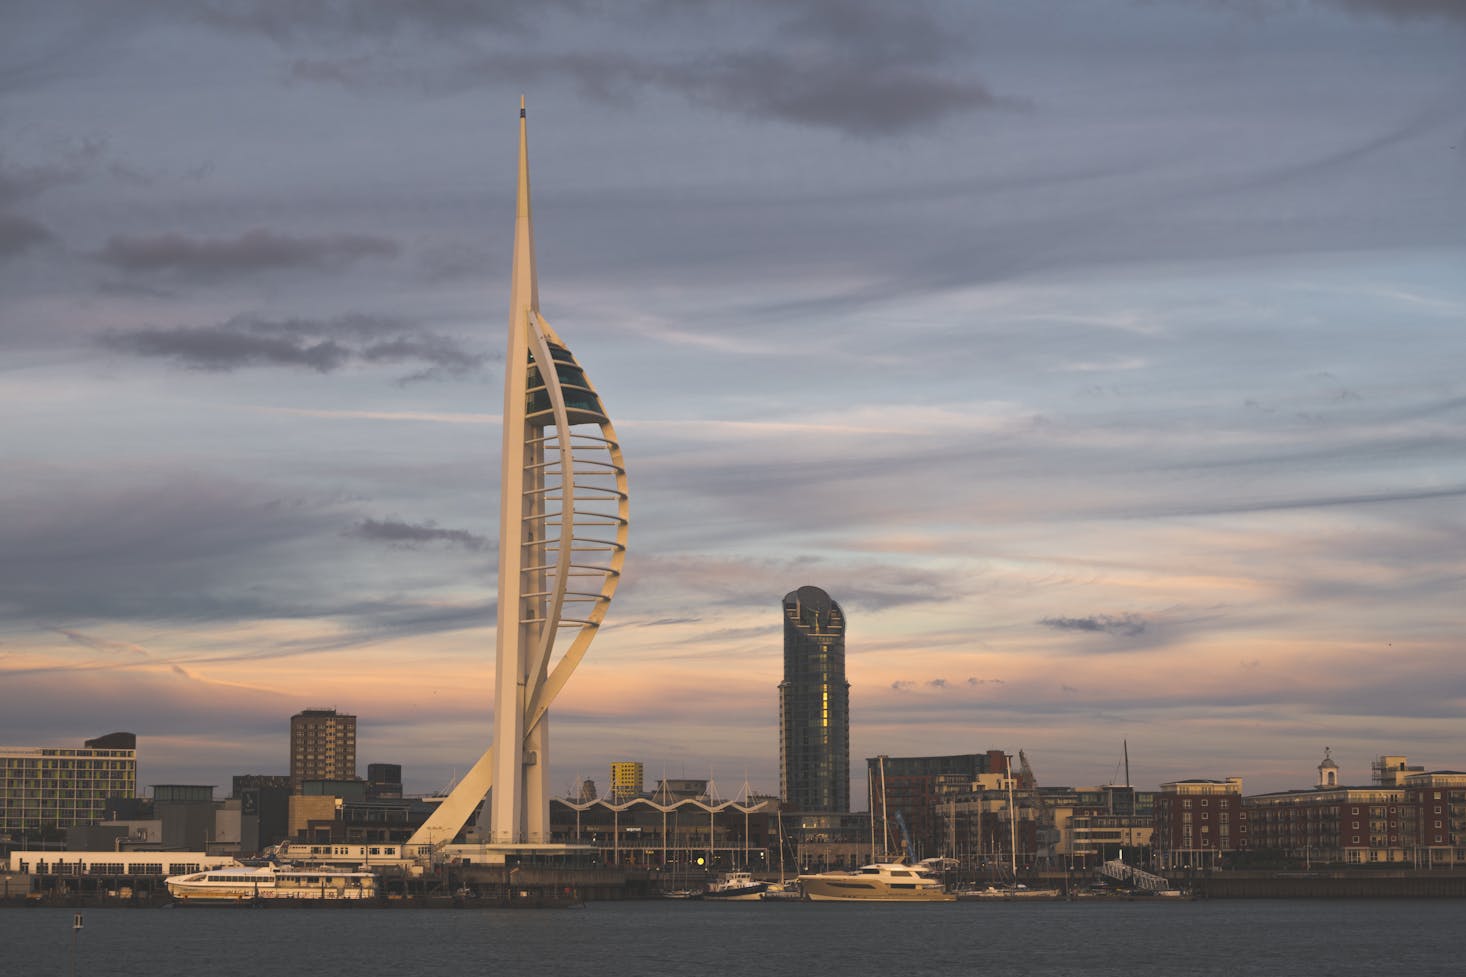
x=397, y=533
x=1123, y=625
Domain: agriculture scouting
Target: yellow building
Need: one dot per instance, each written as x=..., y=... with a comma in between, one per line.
x=626, y=779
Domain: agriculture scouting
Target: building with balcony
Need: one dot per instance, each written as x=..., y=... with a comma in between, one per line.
x=52, y=788
x=1436, y=802
x=1198, y=822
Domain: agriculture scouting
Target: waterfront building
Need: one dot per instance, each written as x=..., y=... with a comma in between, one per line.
x=920, y=792
x=563, y=509
x=1353, y=825
x=188, y=814
x=264, y=810
x=1333, y=822
x=322, y=746
x=1390, y=771
x=995, y=824
x=1086, y=826
x=1437, y=805
x=678, y=788
x=52, y=788
x=814, y=705
x=626, y=779
x=681, y=836
x=1197, y=822
x=384, y=781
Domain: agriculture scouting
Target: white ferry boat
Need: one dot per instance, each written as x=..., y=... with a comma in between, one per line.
x=243, y=883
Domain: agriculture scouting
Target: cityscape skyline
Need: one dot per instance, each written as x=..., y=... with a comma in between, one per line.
x=1100, y=359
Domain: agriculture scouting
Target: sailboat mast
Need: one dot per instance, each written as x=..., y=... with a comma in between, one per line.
x=1012, y=825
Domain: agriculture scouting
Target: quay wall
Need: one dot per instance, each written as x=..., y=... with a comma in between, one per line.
x=1327, y=885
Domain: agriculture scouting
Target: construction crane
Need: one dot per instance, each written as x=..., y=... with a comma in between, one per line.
x=1026, y=779
x=1029, y=782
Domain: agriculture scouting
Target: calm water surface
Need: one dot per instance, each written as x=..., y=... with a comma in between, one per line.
x=1292, y=938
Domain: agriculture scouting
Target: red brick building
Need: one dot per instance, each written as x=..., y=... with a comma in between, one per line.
x=1197, y=822
x=1437, y=803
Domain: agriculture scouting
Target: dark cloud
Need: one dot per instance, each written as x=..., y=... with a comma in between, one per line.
x=213, y=348
x=407, y=535
x=937, y=683
x=975, y=682
x=253, y=251
x=903, y=685
x=346, y=20
x=848, y=95
x=1405, y=9
x=861, y=68
x=19, y=234
x=1125, y=625
x=321, y=345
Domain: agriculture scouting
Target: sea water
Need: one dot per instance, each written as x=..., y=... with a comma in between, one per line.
x=1164, y=938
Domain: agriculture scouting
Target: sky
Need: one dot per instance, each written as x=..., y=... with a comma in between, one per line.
x=1101, y=358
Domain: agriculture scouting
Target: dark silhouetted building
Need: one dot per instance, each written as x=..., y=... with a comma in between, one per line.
x=384, y=781
x=814, y=705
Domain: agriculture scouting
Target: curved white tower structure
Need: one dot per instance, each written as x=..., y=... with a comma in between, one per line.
x=562, y=542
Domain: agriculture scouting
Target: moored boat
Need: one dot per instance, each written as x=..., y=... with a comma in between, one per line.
x=735, y=887
x=1019, y=891
x=878, y=882
x=243, y=883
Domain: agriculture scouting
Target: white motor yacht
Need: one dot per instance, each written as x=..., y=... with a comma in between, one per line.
x=879, y=882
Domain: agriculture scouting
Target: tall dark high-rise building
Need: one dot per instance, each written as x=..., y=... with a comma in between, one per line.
x=814, y=705
x=322, y=747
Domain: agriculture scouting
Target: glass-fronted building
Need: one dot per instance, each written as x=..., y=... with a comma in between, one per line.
x=814, y=705
x=47, y=787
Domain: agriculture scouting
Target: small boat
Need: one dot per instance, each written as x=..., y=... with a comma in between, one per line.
x=243, y=883
x=680, y=894
x=782, y=892
x=1019, y=891
x=735, y=887
x=878, y=882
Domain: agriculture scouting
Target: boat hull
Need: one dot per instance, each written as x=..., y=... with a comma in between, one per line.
x=224, y=886
x=856, y=891
x=735, y=887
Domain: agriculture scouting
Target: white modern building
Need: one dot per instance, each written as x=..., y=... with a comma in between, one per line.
x=56, y=787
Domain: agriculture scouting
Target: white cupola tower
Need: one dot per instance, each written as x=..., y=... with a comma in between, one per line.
x=1328, y=771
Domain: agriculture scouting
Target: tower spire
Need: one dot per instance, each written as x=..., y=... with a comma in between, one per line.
x=524, y=293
